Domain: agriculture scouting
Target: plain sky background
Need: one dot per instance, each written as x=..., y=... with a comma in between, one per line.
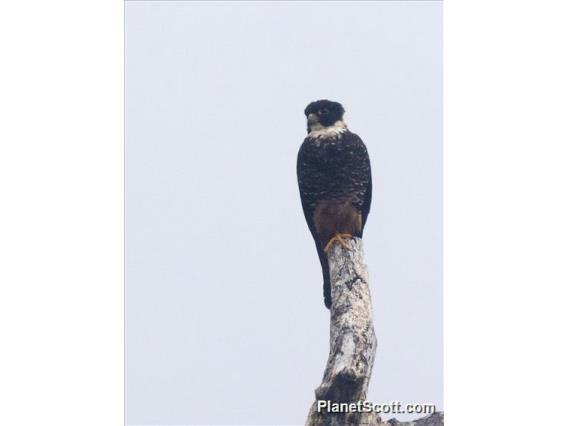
x=225, y=321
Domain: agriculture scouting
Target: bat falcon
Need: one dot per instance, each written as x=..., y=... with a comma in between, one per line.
x=334, y=178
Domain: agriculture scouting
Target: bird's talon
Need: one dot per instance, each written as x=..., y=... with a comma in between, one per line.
x=339, y=237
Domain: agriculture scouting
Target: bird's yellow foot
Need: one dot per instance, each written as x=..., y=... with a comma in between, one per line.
x=339, y=237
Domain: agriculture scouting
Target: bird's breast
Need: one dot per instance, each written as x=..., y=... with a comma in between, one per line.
x=327, y=151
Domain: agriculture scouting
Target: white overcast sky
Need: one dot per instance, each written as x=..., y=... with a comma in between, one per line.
x=225, y=321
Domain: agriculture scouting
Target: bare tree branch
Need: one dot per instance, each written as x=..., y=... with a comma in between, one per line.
x=352, y=345
x=352, y=337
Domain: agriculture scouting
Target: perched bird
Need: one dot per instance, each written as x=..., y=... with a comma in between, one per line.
x=334, y=177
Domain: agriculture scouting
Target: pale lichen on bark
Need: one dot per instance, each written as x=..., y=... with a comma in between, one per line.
x=353, y=344
x=352, y=337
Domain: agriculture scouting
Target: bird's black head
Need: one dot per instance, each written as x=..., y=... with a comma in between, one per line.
x=323, y=113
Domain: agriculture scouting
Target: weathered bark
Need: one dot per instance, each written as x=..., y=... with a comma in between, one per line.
x=352, y=344
x=352, y=338
x=436, y=419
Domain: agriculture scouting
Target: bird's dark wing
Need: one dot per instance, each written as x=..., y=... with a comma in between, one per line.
x=309, y=174
x=307, y=171
x=367, y=203
x=366, y=207
x=358, y=168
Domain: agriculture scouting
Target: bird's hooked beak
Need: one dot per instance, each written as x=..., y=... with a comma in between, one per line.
x=313, y=119
x=313, y=122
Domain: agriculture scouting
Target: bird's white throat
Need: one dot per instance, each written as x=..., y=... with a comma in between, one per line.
x=317, y=131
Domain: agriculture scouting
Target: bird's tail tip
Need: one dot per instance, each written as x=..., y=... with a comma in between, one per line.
x=327, y=294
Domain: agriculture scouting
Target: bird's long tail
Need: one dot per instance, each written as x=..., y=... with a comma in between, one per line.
x=326, y=278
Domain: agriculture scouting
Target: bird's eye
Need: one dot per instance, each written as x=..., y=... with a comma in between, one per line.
x=324, y=111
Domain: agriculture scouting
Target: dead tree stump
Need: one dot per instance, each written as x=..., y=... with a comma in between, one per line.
x=352, y=338
x=352, y=345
